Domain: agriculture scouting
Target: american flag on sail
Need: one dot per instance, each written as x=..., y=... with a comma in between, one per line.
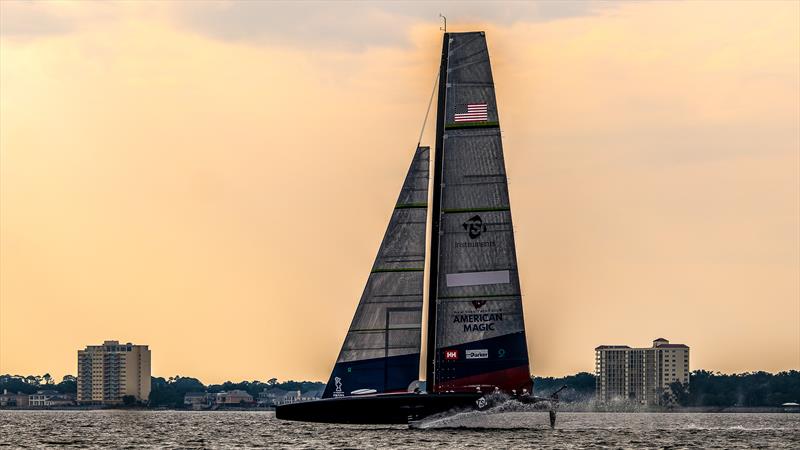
x=472, y=112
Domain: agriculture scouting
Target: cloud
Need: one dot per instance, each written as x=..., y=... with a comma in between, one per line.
x=25, y=20
x=358, y=25
x=347, y=25
x=28, y=21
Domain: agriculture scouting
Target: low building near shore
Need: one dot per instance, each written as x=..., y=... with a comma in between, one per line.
x=235, y=397
x=61, y=400
x=10, y=399
x=213, y=400
x=199, y=400
x=297, y=396
x=270, y=397
x=40, y=398
x=50, y=398
x=266, y=399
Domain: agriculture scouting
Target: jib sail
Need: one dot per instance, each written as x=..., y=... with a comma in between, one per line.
x=476, y=312
x=382, y=348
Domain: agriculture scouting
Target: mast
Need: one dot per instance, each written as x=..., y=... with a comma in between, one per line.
x=436, y=213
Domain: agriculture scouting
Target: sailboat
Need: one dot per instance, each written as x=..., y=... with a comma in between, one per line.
x=475, y=342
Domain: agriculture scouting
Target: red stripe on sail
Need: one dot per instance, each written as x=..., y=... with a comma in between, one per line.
x=515, y=378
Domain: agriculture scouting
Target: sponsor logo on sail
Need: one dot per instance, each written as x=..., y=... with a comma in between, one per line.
x=478, y=322
x=478, y=303
x=474, y=226
x=451, y=354
x=338, y=392
x=477, y=354
x=476, y=244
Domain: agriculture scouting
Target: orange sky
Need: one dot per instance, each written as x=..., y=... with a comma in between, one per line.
x=213, y=179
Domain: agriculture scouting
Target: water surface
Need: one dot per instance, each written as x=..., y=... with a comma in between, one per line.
x=183, y=429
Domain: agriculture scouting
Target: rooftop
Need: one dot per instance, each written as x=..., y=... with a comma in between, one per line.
x=657, y=343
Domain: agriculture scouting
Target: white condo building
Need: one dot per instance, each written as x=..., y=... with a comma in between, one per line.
x=640, y=375
x=109, y=372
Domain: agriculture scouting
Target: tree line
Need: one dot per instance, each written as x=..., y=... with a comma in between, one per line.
x=705, y=388
x=579, y=387
x=170, y=392
x=31, y=383
x=751, y=389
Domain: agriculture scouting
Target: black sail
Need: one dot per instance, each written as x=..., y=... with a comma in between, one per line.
x=475, y=314
x=382, y=348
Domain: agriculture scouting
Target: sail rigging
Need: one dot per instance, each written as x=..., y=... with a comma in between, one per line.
x=382, y=348
x=475, y=329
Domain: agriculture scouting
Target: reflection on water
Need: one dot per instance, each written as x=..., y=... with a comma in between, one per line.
x=496, y=428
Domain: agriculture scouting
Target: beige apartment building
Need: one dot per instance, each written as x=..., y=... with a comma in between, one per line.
x=640, y=375
x=108, y=372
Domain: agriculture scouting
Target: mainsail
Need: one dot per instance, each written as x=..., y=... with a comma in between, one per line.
x=382, y=348
x=475, y=312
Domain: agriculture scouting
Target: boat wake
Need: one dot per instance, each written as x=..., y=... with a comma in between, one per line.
x=504, y=413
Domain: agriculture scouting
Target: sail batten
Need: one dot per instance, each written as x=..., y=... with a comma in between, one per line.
x=382, y=348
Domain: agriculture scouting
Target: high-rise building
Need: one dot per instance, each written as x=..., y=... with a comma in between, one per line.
x=640, y=375
x=109, y=372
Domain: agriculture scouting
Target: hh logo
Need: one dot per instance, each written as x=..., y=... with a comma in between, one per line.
x=451, y=354
x=478, y=303
x=474, y=226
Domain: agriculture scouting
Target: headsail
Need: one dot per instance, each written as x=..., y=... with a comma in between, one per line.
x=476, y=307
x=382, y=348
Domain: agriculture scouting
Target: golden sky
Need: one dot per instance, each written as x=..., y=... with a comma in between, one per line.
x=214, y=179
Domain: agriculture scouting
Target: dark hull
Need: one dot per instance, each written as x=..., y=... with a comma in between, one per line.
x=375, y=409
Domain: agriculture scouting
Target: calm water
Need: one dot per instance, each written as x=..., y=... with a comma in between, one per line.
x=173, y=429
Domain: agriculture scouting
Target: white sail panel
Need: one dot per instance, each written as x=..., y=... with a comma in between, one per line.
x=477, y=278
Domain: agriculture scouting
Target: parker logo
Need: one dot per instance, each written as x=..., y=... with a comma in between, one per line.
x=474, y=227
x=477, y=354
x=478, y=303
x=451, y=354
